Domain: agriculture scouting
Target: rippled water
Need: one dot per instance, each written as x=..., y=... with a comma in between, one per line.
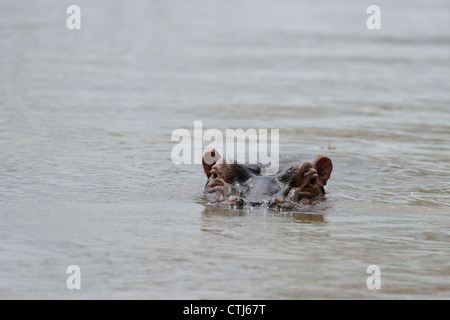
x=86, y=176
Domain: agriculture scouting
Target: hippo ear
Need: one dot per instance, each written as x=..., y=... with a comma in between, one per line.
x=209, y=159
x=324, y=167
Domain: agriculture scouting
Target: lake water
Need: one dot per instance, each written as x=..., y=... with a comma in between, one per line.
x=86, y=176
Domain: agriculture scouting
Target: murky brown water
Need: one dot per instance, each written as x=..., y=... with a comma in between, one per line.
x=86, y=176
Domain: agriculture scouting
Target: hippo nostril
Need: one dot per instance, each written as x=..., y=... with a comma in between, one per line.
x=214, y=176
x=313, y=181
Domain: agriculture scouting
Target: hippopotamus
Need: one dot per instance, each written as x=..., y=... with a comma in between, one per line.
x=237, y=185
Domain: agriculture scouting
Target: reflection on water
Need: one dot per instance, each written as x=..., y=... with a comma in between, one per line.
x=217, y=214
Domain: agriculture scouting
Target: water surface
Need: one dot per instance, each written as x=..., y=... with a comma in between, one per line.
x=86, y=176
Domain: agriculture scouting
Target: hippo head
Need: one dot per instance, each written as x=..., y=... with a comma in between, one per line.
x=233, y=183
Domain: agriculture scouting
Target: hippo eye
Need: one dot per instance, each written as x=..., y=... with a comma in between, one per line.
x=214, y=175
x=313, y=181
x=305, y=174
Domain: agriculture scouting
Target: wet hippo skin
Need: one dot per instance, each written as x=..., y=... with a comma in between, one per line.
x=234, y=184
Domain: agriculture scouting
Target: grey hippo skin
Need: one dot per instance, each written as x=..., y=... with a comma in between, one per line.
x=237, y=185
